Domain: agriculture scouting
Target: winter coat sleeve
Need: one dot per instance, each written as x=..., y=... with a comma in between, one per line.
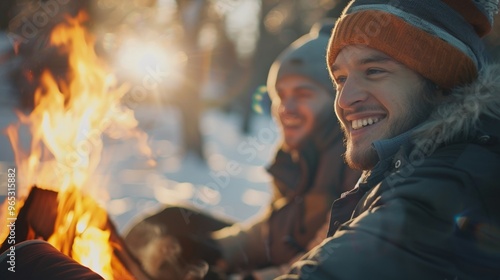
x=305, y=183
x=243, y=247
x=430, y=221
x=296, y=212
x=37, y=259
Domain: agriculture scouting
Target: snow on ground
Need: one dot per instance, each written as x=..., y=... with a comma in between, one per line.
x=232, y=183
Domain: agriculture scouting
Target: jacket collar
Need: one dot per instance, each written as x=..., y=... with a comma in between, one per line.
x=460, y=118
x=386, y=148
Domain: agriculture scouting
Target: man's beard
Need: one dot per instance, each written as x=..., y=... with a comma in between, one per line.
x=419, y=110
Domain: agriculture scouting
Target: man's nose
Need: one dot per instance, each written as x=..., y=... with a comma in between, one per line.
x=289, y=105
x=353, y=91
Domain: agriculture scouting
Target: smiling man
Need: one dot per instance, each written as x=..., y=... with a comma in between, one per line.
x=380, y=98
x=420, y=109
x=299, y=102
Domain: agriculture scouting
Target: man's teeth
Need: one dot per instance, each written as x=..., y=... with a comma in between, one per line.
x=291, y=121
x=357, y=124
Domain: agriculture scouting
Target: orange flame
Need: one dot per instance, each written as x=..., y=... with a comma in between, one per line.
x=66, y=126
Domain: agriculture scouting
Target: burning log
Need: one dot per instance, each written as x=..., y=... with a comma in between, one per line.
x=37, y=218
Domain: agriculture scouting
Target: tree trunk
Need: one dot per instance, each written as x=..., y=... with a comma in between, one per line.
x=192, y=14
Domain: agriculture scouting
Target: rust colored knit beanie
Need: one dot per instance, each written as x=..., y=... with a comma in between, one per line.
x=440, y=39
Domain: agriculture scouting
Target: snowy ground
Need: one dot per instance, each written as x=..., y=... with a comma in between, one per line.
x=232, y=183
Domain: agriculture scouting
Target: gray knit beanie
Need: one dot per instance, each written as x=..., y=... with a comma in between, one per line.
x=306, y=57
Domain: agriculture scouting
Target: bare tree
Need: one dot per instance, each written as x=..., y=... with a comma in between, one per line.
x=192, y=14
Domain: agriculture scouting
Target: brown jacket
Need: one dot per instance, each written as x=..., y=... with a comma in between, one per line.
x=305, y=183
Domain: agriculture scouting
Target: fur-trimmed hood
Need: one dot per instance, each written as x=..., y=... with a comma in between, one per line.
x=460, y=118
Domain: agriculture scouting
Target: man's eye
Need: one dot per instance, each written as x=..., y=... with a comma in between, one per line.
x=374, y=71
x=340, y=80
x=304, y=94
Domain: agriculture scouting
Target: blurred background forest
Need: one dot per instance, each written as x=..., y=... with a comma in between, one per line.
x=189, y=54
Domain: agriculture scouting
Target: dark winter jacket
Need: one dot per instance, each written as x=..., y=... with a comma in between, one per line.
x=306, y=182
x=430, y=211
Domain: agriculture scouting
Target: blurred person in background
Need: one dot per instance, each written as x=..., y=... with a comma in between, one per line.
x=308, y=175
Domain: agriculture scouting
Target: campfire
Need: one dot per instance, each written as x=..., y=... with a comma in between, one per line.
x=57, y=182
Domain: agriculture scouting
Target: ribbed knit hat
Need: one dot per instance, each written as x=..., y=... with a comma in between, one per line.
x=440, y=39
x=306, y=56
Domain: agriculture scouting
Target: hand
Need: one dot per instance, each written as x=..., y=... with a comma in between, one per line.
x=161, y=256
